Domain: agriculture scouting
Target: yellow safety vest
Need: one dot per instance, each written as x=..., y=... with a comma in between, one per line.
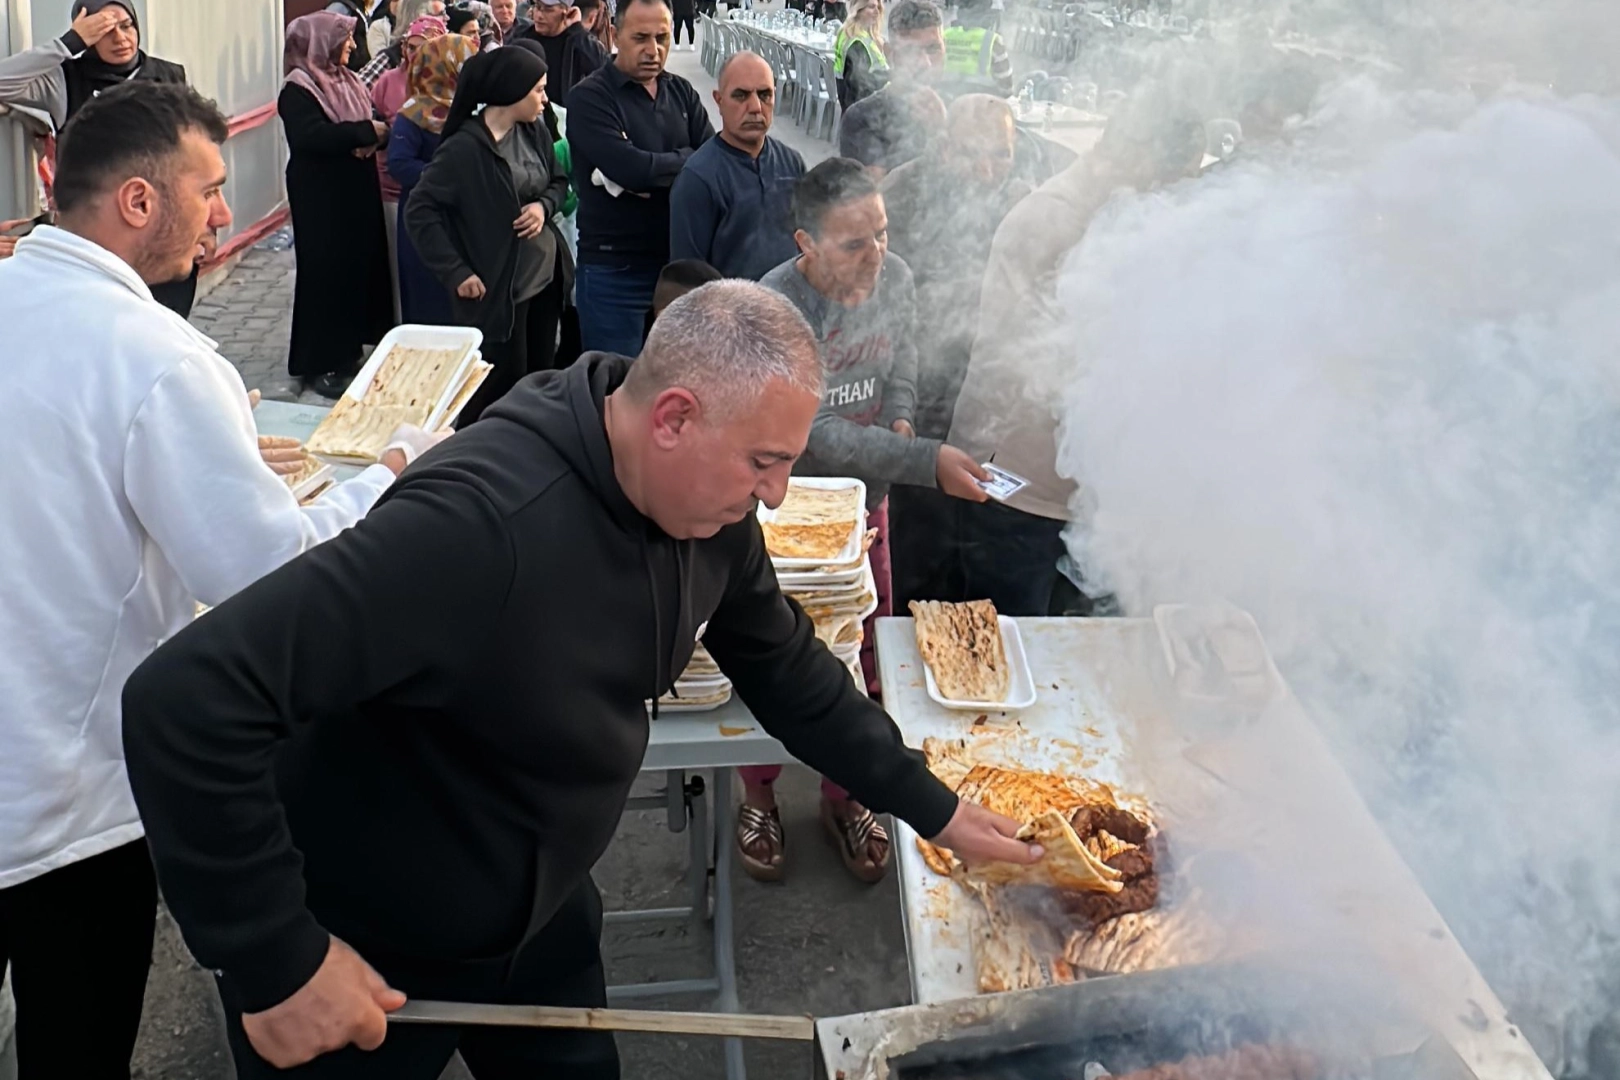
x=968, y=50
x=865, y=37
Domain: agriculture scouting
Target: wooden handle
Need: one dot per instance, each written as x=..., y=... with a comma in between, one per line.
x=725, y=1025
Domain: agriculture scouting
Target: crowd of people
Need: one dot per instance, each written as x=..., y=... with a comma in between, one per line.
x=338, y=806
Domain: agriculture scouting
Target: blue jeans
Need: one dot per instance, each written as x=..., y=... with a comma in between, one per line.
x=613, y=301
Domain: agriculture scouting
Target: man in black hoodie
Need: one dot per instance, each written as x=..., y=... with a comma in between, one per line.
x=432, y=793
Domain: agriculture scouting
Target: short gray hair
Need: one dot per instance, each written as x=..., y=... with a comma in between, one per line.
x=727, y=342
x=909, y=16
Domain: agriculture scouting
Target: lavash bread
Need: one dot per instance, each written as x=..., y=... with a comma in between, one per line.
x=405, y=390
x=962, y=646
x=414, y=377
x=356, y=430
x=812, y=522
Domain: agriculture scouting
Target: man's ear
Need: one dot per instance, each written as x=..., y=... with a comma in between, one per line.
x=673, y=413
x=804, y=240
x=137, y=201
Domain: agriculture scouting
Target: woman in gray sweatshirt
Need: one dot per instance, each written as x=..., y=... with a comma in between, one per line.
x=860, y=302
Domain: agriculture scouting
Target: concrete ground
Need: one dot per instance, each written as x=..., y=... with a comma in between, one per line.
x=820, y=943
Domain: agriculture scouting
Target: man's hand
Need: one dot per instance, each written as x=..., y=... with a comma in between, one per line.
x=958, y=475
x=976, y=835
x=284, y=455
x=92, y=28
x=471, y=289
x=407, y=443
x=8, y=244
x=345, y=1003
x=530, y=221
x=903, y=427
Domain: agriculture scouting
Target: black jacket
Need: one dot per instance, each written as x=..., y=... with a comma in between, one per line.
x=460, y=217
x=570, y=56
x=640, y=143
x=447, y=701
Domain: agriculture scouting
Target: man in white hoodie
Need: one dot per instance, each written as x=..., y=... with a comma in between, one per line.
x=134, y=489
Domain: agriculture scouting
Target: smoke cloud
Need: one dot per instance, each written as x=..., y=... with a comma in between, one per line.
x=1364, y=384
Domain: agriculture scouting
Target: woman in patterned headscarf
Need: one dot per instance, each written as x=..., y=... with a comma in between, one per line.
x=417, y=132
x=342, y=298
x=387, y=95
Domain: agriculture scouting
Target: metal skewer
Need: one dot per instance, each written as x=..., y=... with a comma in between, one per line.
x=723, y=1025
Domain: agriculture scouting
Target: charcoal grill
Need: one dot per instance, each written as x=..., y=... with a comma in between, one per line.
x=1128, y=1022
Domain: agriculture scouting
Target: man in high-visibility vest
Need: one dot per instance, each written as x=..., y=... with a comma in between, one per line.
x=976, y=57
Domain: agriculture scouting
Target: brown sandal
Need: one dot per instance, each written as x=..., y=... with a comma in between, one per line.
x=853, y=837
x=754, y=825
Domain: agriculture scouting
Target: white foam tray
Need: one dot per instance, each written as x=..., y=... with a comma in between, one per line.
x=413, y=336
x=1020, y=688
x=852, y=547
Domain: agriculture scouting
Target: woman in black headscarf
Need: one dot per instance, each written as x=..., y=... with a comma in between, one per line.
x=480, y=218
x=101, y=50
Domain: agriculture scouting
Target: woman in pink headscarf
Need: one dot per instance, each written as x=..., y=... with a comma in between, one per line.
x=342, y=299
x=388, y=93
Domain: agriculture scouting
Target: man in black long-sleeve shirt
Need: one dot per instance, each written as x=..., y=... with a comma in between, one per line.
x=631, y=127
x=411, y=744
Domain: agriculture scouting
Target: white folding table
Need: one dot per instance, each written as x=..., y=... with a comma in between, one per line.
x=1104, y=687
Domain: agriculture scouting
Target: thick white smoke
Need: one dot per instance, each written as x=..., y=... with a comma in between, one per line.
x=1368, y=388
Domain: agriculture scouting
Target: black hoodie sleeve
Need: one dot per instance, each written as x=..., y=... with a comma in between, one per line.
x=388, y=611
x=801, y=694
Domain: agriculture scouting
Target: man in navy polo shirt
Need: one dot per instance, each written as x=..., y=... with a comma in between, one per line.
x=729, y=207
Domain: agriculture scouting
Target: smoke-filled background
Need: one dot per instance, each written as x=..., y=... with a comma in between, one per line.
x=1364, y=382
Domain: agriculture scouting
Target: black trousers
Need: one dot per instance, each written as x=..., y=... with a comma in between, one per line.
x=532, y=347
x=178, y=296
x=561, y=965
x=950, y=549
x=685, y=15
x=79, y=940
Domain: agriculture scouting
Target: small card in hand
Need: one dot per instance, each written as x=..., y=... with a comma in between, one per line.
x=1002, y=484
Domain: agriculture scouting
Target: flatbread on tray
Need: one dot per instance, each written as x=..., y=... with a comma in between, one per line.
x=812, y=523
x=354, y=430
x=405, y=390
x=962, y=646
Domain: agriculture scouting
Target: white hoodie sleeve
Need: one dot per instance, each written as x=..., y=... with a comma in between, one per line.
x=194, y=477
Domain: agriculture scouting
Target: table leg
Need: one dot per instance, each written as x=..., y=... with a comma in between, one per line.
x=725, y=960
x=698, y=864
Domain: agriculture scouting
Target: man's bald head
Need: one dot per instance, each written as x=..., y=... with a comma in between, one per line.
x=980, y=138
x=750, y=63
x=746, y=95
x=730, y=343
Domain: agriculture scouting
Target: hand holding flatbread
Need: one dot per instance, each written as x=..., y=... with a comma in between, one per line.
x=978, y=836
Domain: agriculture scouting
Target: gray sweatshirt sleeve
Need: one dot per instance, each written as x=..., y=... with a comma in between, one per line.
x=845, y=448
x=33, y=79
x=900, y=392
